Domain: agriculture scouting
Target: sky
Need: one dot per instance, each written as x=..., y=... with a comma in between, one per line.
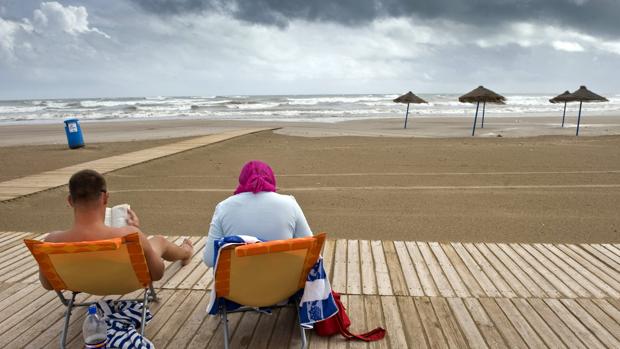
x=118, y=48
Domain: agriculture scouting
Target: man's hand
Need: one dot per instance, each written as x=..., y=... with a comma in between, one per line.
x=132, y=219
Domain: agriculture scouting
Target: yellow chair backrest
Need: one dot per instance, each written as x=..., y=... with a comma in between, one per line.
x=103, y=267
x=266, y=273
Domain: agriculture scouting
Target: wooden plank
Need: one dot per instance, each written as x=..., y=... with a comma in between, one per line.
x=461, y=269
x=426, y=280
x=41, y=320
x=466, y=324
x=435, y=270
x=245, y=330
x=374, y=314
x=558, y=326
x=354, y=281
x=411, y=277
x=601, y=317
x=263, y=331
x=512, y=281
x=176, y=320
x=191, y=325
x=574, y=251
x=339, y=342
x=205, y=281
x=475, y=270
x=576, y=289
x=609, y=309
x=490, y=273
x=490, y=333
x=549, y=275
x=210, y=328
x=431, y=324
x=414, y=330
x=591, y=323
x=537, y=278
x=606, y=252
x=448, y=323
x=585, y=268
x=216, y=339
x=369, y=281
x=598, y=254
x=453, y=277
x=502, y=324
x=339, y=283
x=516, y=270
x=384, y=285
x=582, y=280
x=393, y=321
x=537, y=323
x=328, y=257
x=574, y=324
x=282, y=332
x=166, y=311
x=612, y=248
x=399, y=286
x=356, y=312
x=13, y=316
x=185, y=271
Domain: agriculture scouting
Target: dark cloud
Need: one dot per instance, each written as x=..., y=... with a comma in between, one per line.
x=593, y=16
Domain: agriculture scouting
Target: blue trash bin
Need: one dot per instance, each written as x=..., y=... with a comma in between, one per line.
x=74, y=133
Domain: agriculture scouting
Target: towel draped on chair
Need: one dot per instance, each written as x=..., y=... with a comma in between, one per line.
x=317, y=302
x=123, y=319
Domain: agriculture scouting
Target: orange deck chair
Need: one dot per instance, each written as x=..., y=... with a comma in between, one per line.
x=105, y=267
x=264, y=274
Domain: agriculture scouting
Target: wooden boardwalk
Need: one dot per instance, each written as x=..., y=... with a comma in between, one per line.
x=427, y=294
x=51, y=179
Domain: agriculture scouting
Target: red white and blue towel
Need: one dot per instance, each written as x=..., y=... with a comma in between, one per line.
x=317, y=302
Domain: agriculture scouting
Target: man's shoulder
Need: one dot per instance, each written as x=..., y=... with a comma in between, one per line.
x=55, y=236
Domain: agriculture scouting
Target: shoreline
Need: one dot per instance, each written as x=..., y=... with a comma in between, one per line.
x=418, y=127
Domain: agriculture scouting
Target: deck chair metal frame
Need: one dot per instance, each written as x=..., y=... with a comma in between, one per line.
x=122, y=257
x=246, y=274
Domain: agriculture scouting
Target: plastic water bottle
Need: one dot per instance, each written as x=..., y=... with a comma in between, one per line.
x=94, y=329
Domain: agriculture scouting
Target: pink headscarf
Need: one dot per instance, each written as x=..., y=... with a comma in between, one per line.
x=256, y=176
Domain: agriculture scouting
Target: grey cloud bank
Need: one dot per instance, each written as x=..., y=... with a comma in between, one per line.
x=139, y=47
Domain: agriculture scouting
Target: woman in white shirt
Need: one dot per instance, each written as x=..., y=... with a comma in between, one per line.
x=256, y=210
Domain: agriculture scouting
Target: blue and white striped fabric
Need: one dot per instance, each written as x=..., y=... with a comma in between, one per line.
x=123, y=319
x=317, y=302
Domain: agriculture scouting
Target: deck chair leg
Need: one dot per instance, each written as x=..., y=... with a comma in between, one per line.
x=304, y=341
x=225, y=324
x=145, y=304
x=153, y=293
x=65, y=329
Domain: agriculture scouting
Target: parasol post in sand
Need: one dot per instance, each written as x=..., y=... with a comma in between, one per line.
x=408, y=98
x=484, y=104
x=483, y=95
x=564, y=97
x=585, y=95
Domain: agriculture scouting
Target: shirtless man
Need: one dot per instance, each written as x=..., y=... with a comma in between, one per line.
x=89, y=198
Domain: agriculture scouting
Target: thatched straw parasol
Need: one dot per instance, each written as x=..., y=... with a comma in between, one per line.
x=483, y=95
x=564, y=97
x=408, y=98
x=585, y=95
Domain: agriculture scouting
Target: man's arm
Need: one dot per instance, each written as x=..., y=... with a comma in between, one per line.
x=154, y=261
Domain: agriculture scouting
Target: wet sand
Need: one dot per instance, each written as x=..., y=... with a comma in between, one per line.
x=538, y=189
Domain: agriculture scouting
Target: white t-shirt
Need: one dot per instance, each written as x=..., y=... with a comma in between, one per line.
x=265, y=215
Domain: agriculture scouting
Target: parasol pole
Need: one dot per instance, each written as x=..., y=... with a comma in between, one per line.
x=579, y=118
x=564, y=114
x=473, y=130
x=406, y=115
x=484, y=104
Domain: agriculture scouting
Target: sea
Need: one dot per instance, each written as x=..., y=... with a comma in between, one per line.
x=307, y=108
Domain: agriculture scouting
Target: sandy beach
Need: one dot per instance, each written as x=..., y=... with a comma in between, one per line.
x=377, y=183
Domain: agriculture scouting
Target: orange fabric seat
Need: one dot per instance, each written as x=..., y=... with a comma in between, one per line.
x=104, y=267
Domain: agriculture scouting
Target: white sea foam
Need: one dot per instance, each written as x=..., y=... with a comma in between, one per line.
x=324, y=108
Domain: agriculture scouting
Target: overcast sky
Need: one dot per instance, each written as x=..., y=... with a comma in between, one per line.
x=96, y=48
